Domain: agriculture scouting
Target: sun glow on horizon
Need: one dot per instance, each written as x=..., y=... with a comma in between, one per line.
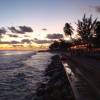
x=23, y=47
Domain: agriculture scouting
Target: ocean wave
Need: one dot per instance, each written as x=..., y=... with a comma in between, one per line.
x=19, y=78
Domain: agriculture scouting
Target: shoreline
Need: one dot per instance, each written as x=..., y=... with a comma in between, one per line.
x=57, y=86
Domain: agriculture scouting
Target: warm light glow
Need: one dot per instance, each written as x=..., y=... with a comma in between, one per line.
x=23, y=47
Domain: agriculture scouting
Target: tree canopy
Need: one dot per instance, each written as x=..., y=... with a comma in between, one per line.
x=68, y=30
x=86, y=28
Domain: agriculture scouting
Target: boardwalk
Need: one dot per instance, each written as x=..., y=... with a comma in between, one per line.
x=84, y=77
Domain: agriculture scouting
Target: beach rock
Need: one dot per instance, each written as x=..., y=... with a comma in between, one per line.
x=57, y=87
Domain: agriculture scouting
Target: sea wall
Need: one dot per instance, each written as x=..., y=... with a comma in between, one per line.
x=57, y=86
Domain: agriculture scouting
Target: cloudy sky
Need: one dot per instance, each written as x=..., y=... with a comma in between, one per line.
x=23, y=19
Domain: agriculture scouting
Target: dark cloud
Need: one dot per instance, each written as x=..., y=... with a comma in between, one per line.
x=11, y=35
x=42, y=41
x=21, y=30
x=54, y=36
x=26, y=41
x=44, y=29
x=26, y=36
x=35, y=39
x=97, y=8
x=5, y=42
x=25, y=29
x=2, y=30
x=14, y=30
x=12, y=42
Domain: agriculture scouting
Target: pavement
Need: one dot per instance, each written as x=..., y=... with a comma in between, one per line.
x=86, y=70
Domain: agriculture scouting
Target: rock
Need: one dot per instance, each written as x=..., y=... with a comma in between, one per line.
x=57, y=87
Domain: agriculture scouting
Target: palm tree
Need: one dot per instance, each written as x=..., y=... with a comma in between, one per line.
x=68, y=30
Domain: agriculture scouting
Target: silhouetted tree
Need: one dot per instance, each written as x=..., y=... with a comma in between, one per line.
x=64, y=45
x=68, y=30
x=96, y=40
x=61, y=45
x=97, y=29
x=54, y=45
x=85, y=29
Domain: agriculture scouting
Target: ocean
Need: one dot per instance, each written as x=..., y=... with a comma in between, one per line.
x=21, y=72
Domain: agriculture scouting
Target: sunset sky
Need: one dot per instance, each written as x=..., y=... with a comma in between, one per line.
x=38, y=18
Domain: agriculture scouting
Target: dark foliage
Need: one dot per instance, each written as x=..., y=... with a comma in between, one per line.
x=85, y=29
x=68, y=30
x=96, y=39
x=61, y=45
